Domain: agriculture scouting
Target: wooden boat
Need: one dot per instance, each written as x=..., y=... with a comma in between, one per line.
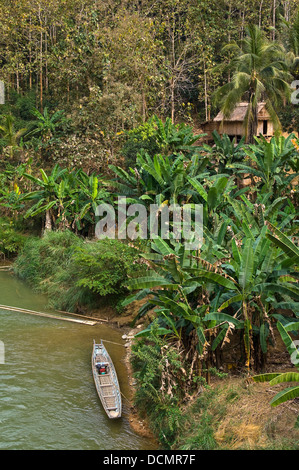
x=106, y=381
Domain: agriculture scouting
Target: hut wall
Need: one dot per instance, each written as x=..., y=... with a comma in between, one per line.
x=232, y=128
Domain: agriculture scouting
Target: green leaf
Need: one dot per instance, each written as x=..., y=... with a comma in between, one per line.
x=217, y=278
x=285, y=395
x=264, y=332
x=162, y=246
x=235, y=251
x=150, y=281
x=95, y=184
x=44, y=176
x=212, y=197
x=235, y=298
x=220, y=336
x=293, y=326
x=265, y=377
x=199, y=188
x=223, y=317
x=283, y=242
x=246, y=268
x=148, y=331
x=285, y=377
x=201, y=338
x=292, y=350
x=285, y=288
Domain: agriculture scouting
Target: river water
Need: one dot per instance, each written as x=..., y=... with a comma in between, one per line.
x=48, y=399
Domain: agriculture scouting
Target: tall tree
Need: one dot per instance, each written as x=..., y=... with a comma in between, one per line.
x=260, y=73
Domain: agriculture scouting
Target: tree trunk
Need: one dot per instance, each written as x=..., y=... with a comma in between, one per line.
x=48, y=223
x=30, y=57
x=41, y=62
x=206, y=91
x=274, y=19
x=172, y=99
x=252, y=117
x=260, y=13
x=252, y=126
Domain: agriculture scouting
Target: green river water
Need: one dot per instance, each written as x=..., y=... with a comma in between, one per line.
x=47, y=394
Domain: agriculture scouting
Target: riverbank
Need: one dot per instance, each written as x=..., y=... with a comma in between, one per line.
x=119, y=323
x=230, y=413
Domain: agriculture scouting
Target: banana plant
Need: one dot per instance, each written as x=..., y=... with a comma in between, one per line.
x=46, y=124
x=273, y=163
x=89, y=194
x=174, y=138
x=225, y=151
x=10, y=135
x=253, y=278
x=168, y=286
x=48, y=197
x=161, y=176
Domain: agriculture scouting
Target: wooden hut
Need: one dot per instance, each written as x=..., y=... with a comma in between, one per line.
x=234, y=125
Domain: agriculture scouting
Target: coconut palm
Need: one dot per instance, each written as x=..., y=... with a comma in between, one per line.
x=259, y=73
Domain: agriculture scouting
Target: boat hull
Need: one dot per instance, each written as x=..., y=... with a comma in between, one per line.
x=107, y=385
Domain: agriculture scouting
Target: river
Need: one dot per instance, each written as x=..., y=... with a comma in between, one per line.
x=47, y=394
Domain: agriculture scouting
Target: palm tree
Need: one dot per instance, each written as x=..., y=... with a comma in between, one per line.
x=260, y=73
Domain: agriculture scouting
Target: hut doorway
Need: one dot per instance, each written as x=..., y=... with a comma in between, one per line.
x=265, y=127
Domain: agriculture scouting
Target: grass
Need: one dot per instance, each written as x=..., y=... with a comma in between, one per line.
x=235, y=414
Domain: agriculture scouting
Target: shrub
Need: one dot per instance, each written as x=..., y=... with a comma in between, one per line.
x=74, y=273
x=11, y=241
x=103, y=266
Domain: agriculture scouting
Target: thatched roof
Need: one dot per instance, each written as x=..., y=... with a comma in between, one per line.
x=239, y=113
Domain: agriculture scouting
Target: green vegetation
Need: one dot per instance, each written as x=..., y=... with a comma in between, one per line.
x=259, y=69
x=11, y=241
x=107, y=99
x=74, y=273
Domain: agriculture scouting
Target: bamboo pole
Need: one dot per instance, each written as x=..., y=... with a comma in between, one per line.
x=83, y=316
x=46, y=315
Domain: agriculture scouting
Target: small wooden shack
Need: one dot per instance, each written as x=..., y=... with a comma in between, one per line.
x=234, y=125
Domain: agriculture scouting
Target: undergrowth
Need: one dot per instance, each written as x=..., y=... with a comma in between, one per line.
x=230, y=414
x=11, y=240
